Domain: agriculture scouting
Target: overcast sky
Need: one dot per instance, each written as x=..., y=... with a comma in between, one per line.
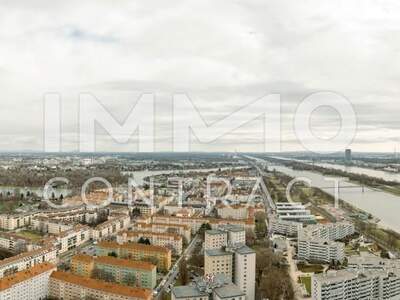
x=222, y=54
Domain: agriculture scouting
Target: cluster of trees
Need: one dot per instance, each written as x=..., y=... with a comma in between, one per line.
x=33, y=178
x=261, y=227
x=144, y=241
x=272, y=276
x=183, y=275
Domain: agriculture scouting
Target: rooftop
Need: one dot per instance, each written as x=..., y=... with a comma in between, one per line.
x=109, y=260
x=217, y=252
x=229, y=291
x=135, y=246
x=8, y=281
x=188, y=291
x=106, y=287
x=245, y=250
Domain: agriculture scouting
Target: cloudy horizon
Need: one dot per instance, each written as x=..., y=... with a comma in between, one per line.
x=223, y=55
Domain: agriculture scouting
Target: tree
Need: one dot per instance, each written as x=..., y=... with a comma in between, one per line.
x=183, y=272
x=113, y=254
x=145, y=241
x=203, y=228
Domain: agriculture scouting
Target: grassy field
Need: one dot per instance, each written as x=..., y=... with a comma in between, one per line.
x=29, y=234
x=8, y=206
x=310, y=268
x=306, y=280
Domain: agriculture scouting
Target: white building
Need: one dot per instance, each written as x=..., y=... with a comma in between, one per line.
x=244, y=275
x=319, y=250
x=13, y=242
x=366, y=285
x=283, y=227
x=73, y=238
x=47, y=225
x=27, y=260
x=223, y=236
x=218, y=262
x=31, y=284
x=331, y=231
x=12, y=222
x=294, y=211
x=215, y=239
x=111, y=227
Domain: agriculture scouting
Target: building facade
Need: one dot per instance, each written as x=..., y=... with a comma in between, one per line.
x=172, y=241
x=69, y=286
x=30, y=284
x=124, y=271
x=139, y=252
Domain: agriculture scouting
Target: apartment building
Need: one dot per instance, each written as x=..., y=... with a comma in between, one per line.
x=144, y=209
x=72, y=238
x=47, y=225
x=218, y=261
x=223, y=236
x=111, y=227
x=294, y=211
x=244, y=274
x=30, y=284
x=13, y=242
x=319, y=250
x=172, y=241
x=15, y=221
x=365, y=285
x=234, y=211
x=331, y=231
x=129, y=272
x=183, y=230
x=76, y=214
x=140, y=252
x=369, y=261
x=215, y=239
x=68, y=286
x=283, y=227
x=196, y=222
x=248, y=224
x=27, y=260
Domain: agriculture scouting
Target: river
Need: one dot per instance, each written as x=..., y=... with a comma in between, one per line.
x=388, y=176
x=380, y=204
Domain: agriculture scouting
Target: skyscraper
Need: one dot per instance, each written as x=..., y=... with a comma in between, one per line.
x=347, y=155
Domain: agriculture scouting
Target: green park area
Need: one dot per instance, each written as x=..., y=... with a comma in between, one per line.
x=30, y=234
x=306, y=280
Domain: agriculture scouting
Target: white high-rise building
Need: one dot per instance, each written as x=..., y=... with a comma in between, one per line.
x=225, y=235
x=245, y=271
x=215, y=239
x=218, y=262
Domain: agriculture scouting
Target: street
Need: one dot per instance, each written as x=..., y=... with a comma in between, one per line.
x=172, y=274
